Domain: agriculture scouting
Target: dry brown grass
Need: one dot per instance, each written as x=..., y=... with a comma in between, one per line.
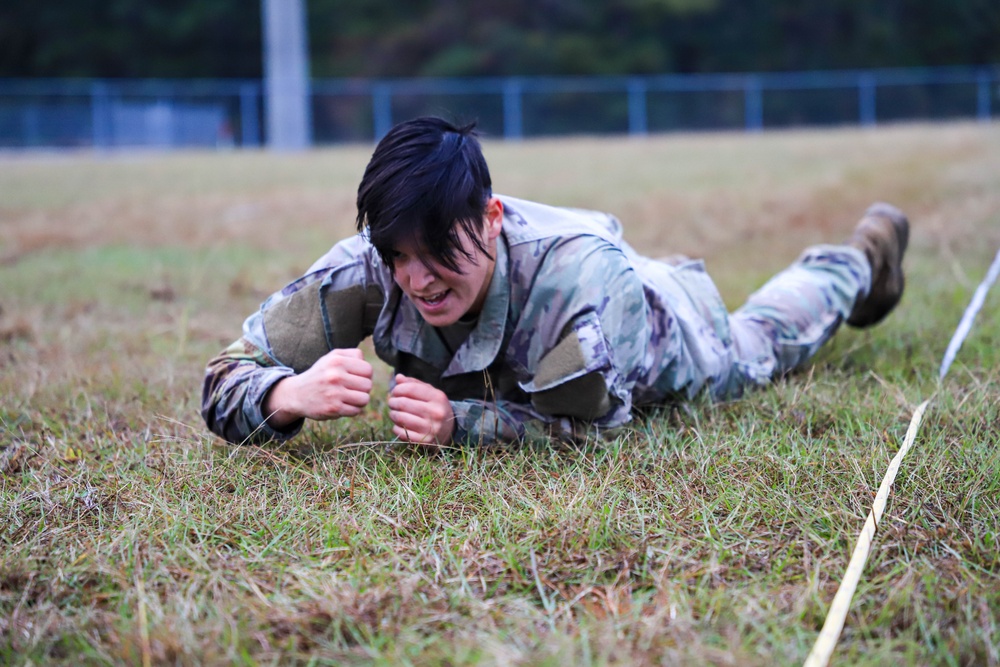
x=709, y=535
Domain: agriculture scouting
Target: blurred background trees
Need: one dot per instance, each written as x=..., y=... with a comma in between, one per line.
x=389, y=38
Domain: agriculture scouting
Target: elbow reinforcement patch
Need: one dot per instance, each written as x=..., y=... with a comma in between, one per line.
x=294, y=329
x=303, y=327
x=585, y=397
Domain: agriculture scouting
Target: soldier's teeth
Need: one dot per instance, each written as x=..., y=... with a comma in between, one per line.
x=434, y=298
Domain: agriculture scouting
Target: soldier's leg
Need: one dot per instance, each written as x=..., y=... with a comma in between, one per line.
x=784, y=323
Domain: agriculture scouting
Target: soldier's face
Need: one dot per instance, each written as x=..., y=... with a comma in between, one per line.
x=443, y=296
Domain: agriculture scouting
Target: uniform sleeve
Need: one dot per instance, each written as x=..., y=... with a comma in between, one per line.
x=488, y=422
x=236, y=382
x=333, y=306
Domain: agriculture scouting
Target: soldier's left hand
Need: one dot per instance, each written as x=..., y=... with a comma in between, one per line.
x=420, y=412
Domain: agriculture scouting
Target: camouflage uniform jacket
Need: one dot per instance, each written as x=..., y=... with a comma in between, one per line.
x=576, y=327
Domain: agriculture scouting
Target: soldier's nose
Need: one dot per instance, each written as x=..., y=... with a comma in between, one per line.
x=420, y=277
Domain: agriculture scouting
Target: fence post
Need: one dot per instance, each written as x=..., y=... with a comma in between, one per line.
x=753, y=104
x=286, y=74
x=100, y=115
x=249, y=115
x=637, y=119
x=866, y=99
x=513, y=122
x=382, y=109
x=983, y=81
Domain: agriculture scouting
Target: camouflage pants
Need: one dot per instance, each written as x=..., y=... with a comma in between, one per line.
x=785, y=322
x=780, y=327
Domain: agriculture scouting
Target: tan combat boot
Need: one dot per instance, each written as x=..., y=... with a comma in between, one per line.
x=882, y=234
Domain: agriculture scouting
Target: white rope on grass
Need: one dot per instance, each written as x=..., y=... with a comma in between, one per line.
x=827, y=640
x=970, y=314
x=834, y=624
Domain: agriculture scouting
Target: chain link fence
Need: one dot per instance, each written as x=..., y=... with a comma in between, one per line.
x=221, y=114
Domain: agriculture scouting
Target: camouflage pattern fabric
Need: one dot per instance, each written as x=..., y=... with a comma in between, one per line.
x=576, y=329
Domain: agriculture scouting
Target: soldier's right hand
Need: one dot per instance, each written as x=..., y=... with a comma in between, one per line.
x=339, y=384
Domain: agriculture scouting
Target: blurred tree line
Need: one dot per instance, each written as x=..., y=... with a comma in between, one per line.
x=390, y=38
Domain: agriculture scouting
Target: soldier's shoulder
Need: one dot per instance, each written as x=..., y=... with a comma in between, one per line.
x=527, y=221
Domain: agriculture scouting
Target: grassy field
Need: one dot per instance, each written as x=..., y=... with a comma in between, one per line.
x=707, y=534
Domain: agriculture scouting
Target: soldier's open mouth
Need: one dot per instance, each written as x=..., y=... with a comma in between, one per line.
x=434, y=299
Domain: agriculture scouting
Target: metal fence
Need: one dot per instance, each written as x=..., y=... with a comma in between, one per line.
x=104, y=113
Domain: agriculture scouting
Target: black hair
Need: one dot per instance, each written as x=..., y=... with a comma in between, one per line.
x=427, y=182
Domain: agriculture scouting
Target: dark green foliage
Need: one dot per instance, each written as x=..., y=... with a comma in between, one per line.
x=387, y=38
x=130, y=38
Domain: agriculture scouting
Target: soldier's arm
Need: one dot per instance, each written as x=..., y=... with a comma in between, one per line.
x=581, y=385
x=326, y=309
x=236, y=383
x=485, y=422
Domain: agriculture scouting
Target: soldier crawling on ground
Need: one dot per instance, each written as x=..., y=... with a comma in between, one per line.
x=506, y=319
